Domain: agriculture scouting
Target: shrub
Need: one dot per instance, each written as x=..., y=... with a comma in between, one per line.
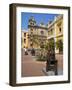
x=41, y=58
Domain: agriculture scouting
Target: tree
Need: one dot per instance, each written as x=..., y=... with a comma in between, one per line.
x=34, y=39
x=59, y=45
x=51, y=44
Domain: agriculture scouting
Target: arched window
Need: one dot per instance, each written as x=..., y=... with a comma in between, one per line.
x=42, y=32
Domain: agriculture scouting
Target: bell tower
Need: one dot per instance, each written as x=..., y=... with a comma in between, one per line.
x=31, y=29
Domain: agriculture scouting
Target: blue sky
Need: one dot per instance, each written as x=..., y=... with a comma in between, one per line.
x=39, y=17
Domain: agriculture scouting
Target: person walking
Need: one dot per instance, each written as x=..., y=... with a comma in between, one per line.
x=25, y=49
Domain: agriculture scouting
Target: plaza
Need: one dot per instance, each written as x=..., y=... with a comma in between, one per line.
x=31, y=67
x=41, y=38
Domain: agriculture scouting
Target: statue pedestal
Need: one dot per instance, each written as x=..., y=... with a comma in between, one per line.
x=52, y=73
x=49, y=73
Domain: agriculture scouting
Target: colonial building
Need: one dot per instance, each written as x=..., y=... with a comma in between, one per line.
x=24, y=39
x=37, y=34
x=55, y=32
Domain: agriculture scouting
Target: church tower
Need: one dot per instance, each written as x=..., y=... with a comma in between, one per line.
x=31, y=29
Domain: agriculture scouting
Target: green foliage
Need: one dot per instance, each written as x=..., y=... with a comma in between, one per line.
x=59, y=45
x=46, y=46
x=41, y=58
x=34, y=39
x=51, y=44
x=41, y=45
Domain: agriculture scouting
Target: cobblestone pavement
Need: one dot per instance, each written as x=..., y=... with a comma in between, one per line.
x=31, y=67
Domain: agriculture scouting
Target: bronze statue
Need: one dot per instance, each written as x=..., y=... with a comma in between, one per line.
x=51, y=62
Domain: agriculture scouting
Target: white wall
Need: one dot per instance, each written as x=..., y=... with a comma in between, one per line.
x=4, y=45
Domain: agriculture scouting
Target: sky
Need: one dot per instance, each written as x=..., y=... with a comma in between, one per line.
x=39, y=17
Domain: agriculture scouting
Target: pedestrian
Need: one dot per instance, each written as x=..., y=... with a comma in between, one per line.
x=25, y=49
x=33, y=52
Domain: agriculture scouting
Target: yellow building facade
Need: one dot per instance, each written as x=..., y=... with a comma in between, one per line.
x=55, y=31
x=24, y=40
x=59, y=31
x=59, y=28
